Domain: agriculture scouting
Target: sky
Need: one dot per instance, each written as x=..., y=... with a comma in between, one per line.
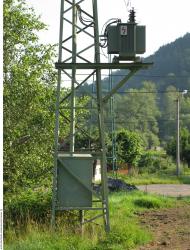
x=165, y=20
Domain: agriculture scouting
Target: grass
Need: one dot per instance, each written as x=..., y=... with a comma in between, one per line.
x=146, y=179
x=126, y=233
x=37, y=238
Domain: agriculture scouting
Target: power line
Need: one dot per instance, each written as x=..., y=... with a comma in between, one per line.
x=141, y=92
x=141, y=75
x=134, y=122
x=153, y=76
x=149, y=92
x=126, y=4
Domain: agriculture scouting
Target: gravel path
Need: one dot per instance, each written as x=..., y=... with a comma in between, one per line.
x=175, y=190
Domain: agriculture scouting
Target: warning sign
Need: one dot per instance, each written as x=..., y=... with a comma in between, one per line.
x=123, y=30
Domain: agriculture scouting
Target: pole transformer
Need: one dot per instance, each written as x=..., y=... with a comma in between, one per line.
x=79, y=63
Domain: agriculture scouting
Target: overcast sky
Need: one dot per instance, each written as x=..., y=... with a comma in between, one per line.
x=165, y=20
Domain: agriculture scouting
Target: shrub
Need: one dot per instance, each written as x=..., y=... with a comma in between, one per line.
x=154, y=161
x=185, y=146
x=27, y=205
x=128, y=147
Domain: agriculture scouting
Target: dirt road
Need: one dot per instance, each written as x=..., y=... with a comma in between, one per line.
x=170, y=227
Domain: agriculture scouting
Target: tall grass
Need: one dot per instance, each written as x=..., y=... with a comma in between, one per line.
x=126, y=232
x=38, y=238
x=145, y=179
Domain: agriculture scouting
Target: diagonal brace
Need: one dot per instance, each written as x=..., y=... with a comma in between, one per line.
x=119, y=85
x=79, y=85
x=92, y=219
x=80, y=129
x=78, y=54
x=70, y=8
x=87, y=33
x=79, y=31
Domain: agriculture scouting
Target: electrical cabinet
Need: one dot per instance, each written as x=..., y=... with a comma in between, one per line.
x=74, y=180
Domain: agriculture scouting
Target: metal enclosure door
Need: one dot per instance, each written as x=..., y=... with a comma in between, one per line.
x=74, y=180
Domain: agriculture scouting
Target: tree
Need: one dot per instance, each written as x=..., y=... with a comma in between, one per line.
x=29, y=92
x=128, y=147
x=184, y=111
x=184, y=146
x=167, y=123
x=138, y=111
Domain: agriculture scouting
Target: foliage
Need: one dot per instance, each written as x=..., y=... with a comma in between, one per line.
x=128, y=147
x=150, y=161
x=185, y=146
x=139, y=114
x=90, y=139
x=168, y=110
x=184, y=111
x=29, y=81
x=155, y=162
x=28, y=205
x=167, y=124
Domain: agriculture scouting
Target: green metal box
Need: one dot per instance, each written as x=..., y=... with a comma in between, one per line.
x=74, y=180
x=140, y=39
x=126, y=39
x=113, y=39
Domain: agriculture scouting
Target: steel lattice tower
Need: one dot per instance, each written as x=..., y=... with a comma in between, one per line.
x=78, y=63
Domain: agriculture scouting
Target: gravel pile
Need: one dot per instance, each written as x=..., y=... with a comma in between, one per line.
x=115, y=185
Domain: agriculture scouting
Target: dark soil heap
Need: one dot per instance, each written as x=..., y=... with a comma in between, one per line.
x=116, y=185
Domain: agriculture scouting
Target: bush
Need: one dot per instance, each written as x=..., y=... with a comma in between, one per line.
x=184, y=144
x=154, y=161
x=28, y=205
x=128, y=147
x=33, y=207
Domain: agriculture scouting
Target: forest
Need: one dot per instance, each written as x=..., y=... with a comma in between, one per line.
x=144, y=113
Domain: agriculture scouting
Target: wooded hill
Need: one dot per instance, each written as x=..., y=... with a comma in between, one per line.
x=171, y=67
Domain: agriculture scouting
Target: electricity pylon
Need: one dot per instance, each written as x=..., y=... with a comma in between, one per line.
x=78, y=63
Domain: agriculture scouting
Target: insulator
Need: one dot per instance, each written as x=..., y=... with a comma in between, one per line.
x=132, y=16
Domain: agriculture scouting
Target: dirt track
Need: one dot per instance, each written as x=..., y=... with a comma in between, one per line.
x=174, y=190
x=170, y=227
